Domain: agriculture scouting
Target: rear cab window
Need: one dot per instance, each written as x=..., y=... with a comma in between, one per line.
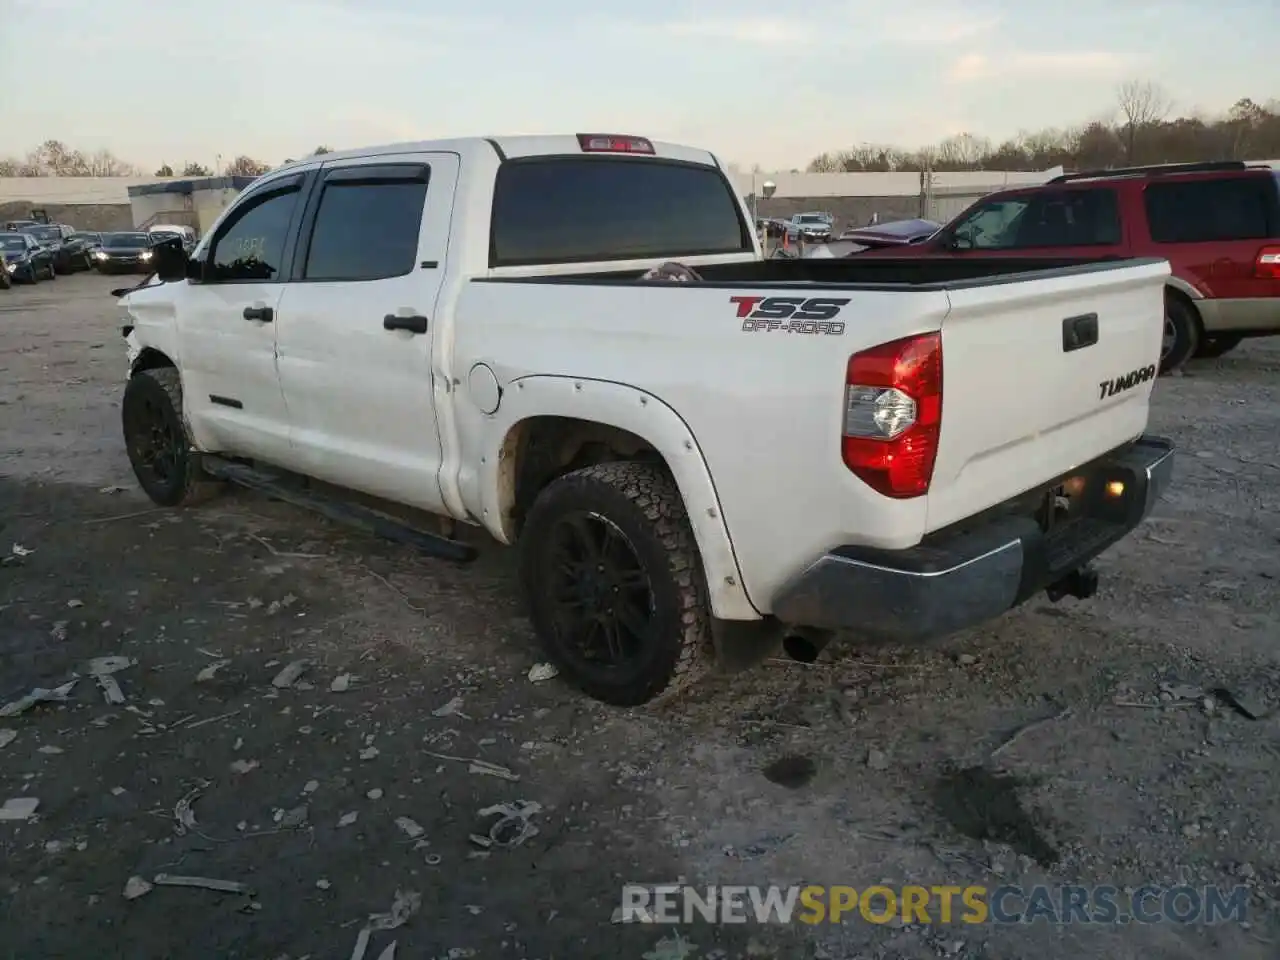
x=554, y=210
x=1206, y=210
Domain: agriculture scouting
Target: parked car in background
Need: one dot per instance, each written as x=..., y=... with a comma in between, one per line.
x=69, y=254
x=164, y=232
x=91, y=239
x=125, y=252
x=856, y=240
x=24, y=259
x=1217, y=223
x=12, y=226
x=811, y=227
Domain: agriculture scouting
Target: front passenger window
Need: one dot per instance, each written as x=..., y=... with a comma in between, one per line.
x=251, y=248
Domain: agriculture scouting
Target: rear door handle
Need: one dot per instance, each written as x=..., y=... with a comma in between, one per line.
x=261, y=314
x=1079, y=332
x=412, y=324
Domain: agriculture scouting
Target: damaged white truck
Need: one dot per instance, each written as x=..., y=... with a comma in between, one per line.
x=693, y=472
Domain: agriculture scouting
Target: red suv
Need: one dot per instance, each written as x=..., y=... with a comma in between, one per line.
x=1218, y=225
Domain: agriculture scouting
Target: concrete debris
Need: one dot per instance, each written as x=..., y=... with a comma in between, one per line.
x=877, y=759
x=111, y=489
x=7, y=736
x=184, y=817
x=18, y=550
x=289, y=675
x=201, y=883
x=1247, y=703
x=347, y=819
x=73, y=604
x=543, y=671
x=243, y=766
x=111, y=691
x=671, y=948
x=38, y=695
x=1180, y=691
x=451, y=709
x=208, y=673
x=311, y=786
x=368, y=753
x=513, y=826
x=50, y=749
x=295, y=817
x=136, y=887
x=323, y=884
x=374, y=794
x=59, y=631
x=19, y=808
x=404, y=906
x=341, y=683
x=410, y=828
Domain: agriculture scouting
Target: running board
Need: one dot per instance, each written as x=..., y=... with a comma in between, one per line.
x=276, y=486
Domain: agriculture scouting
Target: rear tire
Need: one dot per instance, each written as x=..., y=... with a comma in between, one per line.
x=1181, y=333
x=1212, y=347
x=615, y=584
x=156, y=440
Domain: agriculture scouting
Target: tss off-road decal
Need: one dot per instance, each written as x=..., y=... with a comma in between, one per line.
x=791, y=314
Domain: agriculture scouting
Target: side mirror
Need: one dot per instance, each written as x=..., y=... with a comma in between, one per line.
x=169, y=260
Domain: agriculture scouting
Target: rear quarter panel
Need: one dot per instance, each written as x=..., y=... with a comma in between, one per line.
x=765, y=408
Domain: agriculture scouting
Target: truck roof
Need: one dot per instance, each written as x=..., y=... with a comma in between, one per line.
x=526, y=145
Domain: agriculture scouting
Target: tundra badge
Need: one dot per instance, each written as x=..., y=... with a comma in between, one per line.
x=1109, y=388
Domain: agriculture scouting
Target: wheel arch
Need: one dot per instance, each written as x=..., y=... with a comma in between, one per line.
x=149, y=358
x=547, y=426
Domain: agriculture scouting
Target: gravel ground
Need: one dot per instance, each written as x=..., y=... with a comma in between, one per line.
x=1090, y=743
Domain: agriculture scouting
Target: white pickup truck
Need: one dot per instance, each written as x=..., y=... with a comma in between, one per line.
x=693, y=471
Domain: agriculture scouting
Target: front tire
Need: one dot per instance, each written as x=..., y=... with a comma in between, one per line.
x=615, y=584
x=1181, y=333
x=156, y=440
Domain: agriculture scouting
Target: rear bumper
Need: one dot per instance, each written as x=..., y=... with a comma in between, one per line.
x=963, y=577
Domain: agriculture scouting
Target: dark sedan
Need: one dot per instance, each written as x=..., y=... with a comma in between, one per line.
x=24, y=259
x=68, y=255
x=124, y=253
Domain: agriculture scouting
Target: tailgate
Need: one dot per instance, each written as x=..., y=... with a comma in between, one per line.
x=1028, y=394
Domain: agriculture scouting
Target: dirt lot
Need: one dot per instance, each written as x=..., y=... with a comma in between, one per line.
x=889, y=765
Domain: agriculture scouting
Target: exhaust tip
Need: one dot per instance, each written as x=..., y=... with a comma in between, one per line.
x=805, y=646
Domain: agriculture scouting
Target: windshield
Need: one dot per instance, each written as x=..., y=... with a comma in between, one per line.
x=126, y=240
x=812, y=218
x=12, y=242
x=44, y=233
x=95, y=237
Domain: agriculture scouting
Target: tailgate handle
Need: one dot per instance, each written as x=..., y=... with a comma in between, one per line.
x=1079, y=332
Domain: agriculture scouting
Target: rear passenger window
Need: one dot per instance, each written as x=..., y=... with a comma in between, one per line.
x=583, y=209
x=1070, y=218
x=367, y=223
x=1200, y=211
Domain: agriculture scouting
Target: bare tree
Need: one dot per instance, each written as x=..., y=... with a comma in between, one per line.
x=196, y=170
x=9, y=167
x=321, y=151
x=964, y=151
x=244, y=166
x=1143, y=104
x=164, y=171
x=104, y=163
x=826, y=163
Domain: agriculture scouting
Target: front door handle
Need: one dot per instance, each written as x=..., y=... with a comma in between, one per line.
x=412, y=324
x=261, y=314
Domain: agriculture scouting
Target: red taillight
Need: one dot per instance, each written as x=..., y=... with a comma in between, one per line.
x=613, y=143
x=893, y=414
x=1267, y=266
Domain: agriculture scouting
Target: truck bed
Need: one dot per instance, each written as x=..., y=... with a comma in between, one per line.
x=872, y=273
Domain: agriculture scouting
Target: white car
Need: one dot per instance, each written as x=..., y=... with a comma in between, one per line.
x=691, y=471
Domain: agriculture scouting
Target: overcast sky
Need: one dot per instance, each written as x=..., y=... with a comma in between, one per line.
x=769, y=83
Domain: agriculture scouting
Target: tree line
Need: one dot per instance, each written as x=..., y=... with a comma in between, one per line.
x=1139, y=130
x=54, y=158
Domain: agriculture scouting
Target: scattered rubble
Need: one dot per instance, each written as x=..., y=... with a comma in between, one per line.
x=136, y=887
x=201, y=883
x=38, y=695
x=543, y=671
x=209, y=672
x=19, y=808
x=341, y=683
x=7, y=736
x=290, y=675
